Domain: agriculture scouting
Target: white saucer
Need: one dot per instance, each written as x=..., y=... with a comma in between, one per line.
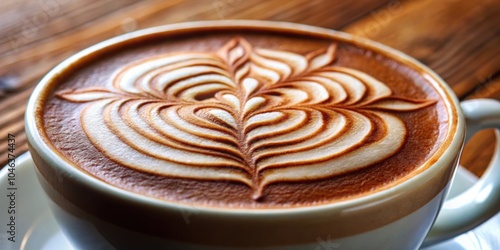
x=36, y=228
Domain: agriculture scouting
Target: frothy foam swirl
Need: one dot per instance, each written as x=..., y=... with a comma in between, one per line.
x=250, y=115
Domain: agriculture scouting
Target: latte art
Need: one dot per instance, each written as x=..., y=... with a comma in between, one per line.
x=249, y=115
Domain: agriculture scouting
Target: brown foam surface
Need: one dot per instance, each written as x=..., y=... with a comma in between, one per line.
x=425, y=127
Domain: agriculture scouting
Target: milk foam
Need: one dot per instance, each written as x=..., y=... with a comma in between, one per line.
x=250, y=115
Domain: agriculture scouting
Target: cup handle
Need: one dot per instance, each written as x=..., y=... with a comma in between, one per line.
x=481, y=201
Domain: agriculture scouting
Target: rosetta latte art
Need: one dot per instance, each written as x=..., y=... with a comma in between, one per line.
x=250, y=115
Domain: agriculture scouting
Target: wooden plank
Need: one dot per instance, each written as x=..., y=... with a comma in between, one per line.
x=14, y=98
x=15, y=113
x=479, y=150
x=17, y=129
x=488, y=88
x=35, y=59
x=457, y=39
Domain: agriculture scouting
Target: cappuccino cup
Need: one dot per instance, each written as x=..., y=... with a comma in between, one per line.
x=254, y=135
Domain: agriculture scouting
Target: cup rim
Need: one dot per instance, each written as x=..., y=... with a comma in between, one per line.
x=444, y=154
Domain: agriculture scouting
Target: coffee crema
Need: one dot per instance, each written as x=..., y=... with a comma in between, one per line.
x=226, y=120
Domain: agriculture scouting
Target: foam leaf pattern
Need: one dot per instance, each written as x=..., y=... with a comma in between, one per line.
x=255, y=116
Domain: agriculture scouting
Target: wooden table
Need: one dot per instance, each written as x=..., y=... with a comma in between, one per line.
x=460, y=40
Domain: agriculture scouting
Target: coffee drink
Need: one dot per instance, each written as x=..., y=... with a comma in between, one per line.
x=245, y=119
x=253, y=134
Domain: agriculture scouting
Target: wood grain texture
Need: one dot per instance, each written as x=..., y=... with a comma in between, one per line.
x=479, y=150
x=458, y=39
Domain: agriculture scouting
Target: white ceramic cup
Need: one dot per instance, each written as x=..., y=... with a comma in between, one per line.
x=96, y=215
